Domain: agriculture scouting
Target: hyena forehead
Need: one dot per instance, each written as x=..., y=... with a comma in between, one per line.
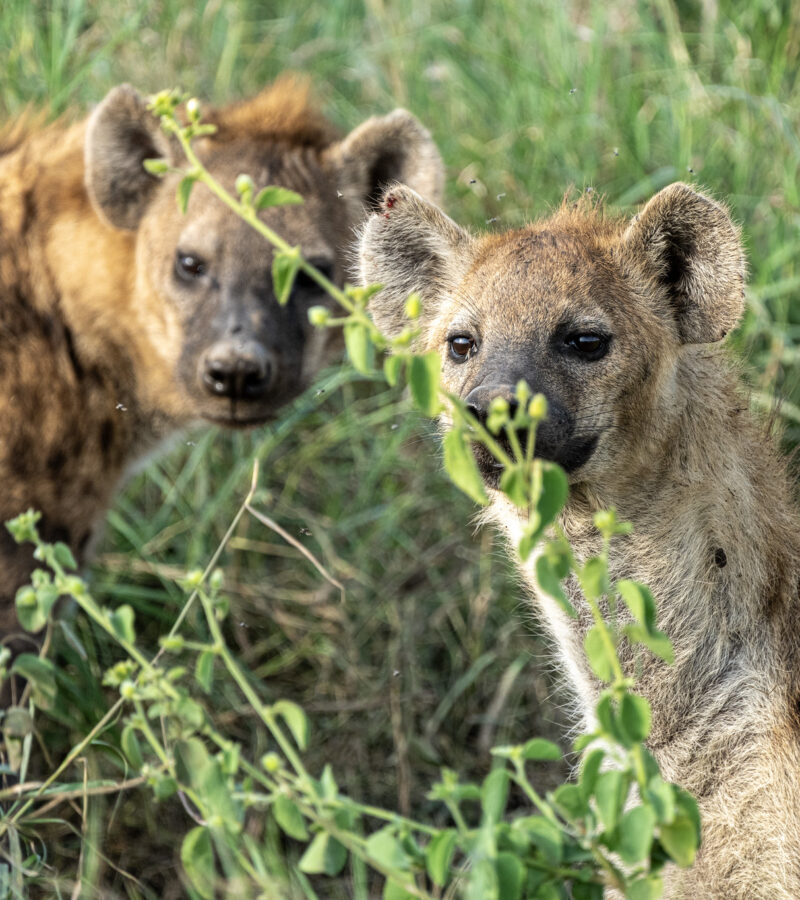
x=539, y=277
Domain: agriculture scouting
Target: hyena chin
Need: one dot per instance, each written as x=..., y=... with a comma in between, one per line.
x=618, y=324
x=122, y=319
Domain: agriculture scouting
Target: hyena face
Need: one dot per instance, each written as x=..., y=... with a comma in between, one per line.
x=591, y=313
x=202, y=280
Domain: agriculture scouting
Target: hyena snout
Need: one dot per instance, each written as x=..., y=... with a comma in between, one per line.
x=557, y=437
x=238, y=369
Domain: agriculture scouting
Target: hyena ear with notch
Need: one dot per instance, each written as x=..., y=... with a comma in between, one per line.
x=410, y=246
x=384, y=150
x=688, y=245
x=120, y=135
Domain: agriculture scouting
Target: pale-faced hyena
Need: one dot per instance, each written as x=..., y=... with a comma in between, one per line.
x=618, y=322
x=122, y=320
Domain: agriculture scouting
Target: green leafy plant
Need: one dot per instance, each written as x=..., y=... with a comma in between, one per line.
x=616, y=825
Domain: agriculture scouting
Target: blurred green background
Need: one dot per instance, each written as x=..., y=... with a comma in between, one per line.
x=433, y=656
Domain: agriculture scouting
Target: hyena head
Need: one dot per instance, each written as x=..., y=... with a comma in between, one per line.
x=597, y=314
x=202, y=282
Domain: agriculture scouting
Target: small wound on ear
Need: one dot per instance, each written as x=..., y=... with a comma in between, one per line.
x=390, y=201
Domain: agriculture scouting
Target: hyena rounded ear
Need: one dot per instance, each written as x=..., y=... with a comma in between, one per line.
x=384, y=150
x=120, y=135
x=688, y=245
x=410, y=246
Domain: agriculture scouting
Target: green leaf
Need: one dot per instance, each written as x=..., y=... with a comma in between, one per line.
x=610, y=794
x=594, y=578
x=384, y=847
x=549, y=581
x=185, y=186
x=546, y=836
x=131, y=747
x=639, y=601
x=510, y=876
x=204, y=669
x=121, y=621
x=649, y=888
x=197, y=856
x=494, y=793
x=439, y=855
x=547, y=891
x=394, y=891
x=656, y=641
x=570, y=801
x=359, y=346
x=482, y=881
x=276, y=196
x=329, y=790
x=680, y=840
x=284, y=269
x=165, y=787
x=63, y=556
x=460, y=465
x=661, y=796
x=554, y=491
x=515, y=486
x=539, y=748
x=194, y=767
x=424, y=373
x=600, y=657
x=635, y=717
x=324, y=856
x=636, y=834
x=392, y=366
x=295, y=719
x=590, y=769
x=41, y=675
x=289, y=817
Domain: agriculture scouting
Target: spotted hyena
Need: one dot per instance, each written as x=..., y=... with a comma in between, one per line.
x=618, y=323
x=122, y=320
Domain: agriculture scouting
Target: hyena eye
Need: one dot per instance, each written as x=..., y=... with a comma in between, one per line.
x=588, y=345
x=188, y=266
x=461, y=347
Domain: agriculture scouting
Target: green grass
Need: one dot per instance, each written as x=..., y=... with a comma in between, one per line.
x=432, y=656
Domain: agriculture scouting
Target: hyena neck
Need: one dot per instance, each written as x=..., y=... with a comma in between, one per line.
x=716, y=539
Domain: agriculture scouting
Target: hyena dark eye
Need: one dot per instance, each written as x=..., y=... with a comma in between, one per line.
x=188, y=266
x=461, y=347
x=589, y=345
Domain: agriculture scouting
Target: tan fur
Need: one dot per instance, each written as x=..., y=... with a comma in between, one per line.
x=102, y=345
x=677, y=452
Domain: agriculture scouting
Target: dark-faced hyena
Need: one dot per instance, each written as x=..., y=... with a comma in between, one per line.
x=122, y=320
x=617, y=323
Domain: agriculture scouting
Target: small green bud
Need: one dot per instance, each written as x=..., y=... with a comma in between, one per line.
x=319, y=316
x=271, y=762
x=245, y=187
x=26, y=597
x=413, y=306
x=216, y=580
x=172, y=642
x=193, y=109
x=127, y=690
x=522, y=393
x=537, y=408
x=156, y=167
x=192, y=580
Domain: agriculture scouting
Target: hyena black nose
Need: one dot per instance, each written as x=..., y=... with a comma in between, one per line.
x=479, y=399
x=241, y=370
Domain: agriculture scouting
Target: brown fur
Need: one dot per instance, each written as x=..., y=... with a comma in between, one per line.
x=103, y=347
x=659, y=427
